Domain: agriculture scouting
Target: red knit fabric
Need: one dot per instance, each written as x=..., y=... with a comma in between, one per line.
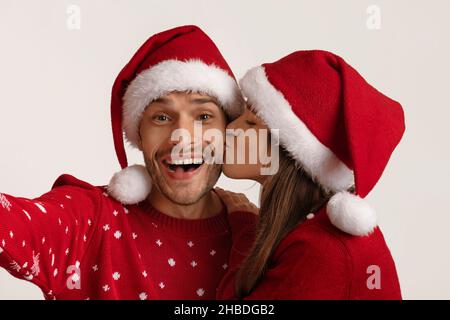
x=75, y=242
x=318, y=261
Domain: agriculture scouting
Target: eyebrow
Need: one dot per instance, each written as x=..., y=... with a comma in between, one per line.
x=163, y=100
x=203, y=100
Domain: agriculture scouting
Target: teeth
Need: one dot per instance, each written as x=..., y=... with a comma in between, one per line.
x=186, y=161
x=177, y=162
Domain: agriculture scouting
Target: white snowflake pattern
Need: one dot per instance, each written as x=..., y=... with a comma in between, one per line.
x=200, y=292
x=89, y=222
x=190, y=244
x=84, y=238
x=162, y=285
x=5, y=202
x=3, y=243
x=212, y=252
x=125, y=210
x=43, y=240
x=53, y=260
x=11, y=234
x=67, y=230
x=35, y=267
x=23, y=244
x=116, y=275
x=15, y=266
x=61, y=205
x=67, y=251
x=143, y=296
x=27, y=214
x=158, y=242
x=224, y=266
x=28, y=276
x=193, y=263
x=95, y=268
x=105, y=288
x=106, y=227
x=134, y=235
x=40, y=206
x=144, y=273
x=59, y=221
x=117, y=234
x=55, y=272
x=115, y=213
x=171, y=262
x=68, y=197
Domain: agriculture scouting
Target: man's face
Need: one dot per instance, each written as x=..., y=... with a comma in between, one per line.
x=186, y=183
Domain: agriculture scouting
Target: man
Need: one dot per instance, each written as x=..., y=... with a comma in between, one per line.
x=157, y=231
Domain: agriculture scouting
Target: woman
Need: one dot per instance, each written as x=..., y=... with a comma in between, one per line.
x=317, y=237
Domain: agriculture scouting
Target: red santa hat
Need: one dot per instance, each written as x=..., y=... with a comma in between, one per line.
x=339, y=128
x=180, y=59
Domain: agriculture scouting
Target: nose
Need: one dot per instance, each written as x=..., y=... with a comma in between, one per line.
x=234, y=124
x=185, y=125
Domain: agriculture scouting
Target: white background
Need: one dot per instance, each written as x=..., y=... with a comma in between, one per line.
x=55, y=87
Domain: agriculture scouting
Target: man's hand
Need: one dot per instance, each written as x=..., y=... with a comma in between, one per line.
x=236, y=201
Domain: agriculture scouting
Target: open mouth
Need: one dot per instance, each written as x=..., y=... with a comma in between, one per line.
x=182, y=168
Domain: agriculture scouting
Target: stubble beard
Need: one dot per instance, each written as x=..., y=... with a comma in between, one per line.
x=183, y=193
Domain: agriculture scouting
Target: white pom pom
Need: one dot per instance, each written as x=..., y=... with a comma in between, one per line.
x=351, y=214
x=130, y=185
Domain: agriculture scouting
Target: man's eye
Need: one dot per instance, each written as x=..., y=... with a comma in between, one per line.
x=250, y=123
x=205, y=116
x=161, y=117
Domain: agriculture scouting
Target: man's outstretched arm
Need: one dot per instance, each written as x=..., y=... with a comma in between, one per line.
x=42, y=238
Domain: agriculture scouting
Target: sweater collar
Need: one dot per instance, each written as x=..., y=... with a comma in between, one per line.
x=214, y=225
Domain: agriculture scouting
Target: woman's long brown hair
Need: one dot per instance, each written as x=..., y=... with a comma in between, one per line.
x=286, y=199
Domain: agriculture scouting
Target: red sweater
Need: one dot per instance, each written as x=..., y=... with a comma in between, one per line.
x=75, y=242
x=318, y=261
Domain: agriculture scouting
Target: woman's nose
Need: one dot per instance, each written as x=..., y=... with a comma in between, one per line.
x=233, y=124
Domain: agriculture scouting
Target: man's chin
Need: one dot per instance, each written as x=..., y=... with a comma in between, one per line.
x=184, y=192
x=184, y=195
x=187, y=191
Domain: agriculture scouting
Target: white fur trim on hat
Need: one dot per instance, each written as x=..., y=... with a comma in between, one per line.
x=131, y=185
x=317, y=159
x=351, y=214
x=175, y=75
